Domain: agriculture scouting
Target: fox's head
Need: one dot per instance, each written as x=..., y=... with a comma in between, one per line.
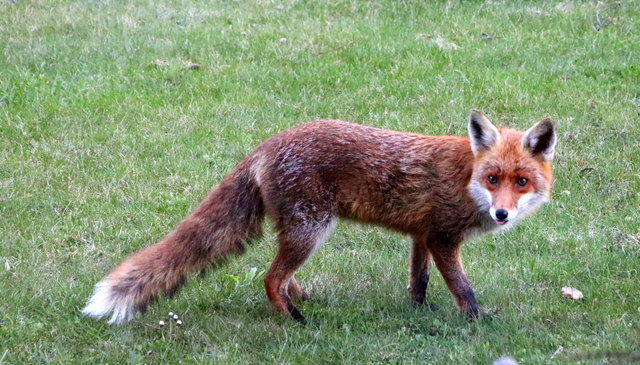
x=512, y=169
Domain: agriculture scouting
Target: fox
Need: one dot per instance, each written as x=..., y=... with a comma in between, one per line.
x=438, y=190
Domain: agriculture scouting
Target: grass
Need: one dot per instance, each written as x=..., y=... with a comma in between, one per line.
x=108, y=140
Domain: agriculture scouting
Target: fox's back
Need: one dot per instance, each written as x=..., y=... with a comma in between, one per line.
x=399, y=180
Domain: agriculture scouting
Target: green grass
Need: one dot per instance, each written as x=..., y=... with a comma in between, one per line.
x=103, y=152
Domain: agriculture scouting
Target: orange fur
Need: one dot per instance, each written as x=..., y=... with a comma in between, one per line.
x=433, y=188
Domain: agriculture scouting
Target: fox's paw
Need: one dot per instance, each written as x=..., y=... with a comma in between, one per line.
x=106, y=300
x=295, y=314
x=296, y=292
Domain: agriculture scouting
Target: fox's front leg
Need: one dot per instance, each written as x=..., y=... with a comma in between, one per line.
x=419, y=266
x=447, y=258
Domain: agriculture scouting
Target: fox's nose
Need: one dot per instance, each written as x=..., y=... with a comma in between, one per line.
x=502, y=214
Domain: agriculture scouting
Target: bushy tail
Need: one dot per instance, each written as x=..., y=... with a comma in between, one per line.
x=221, y=225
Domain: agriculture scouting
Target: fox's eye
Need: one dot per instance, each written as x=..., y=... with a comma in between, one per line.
x=522, y=181
x=493, y=179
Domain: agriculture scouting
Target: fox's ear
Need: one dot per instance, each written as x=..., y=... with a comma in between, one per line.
x=541, y=139
x=482, y=133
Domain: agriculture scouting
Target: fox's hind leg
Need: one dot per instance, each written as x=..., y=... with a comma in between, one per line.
x=296, y=292
x=297, y=243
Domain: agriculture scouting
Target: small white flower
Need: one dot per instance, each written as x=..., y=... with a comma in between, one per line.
x=161, y=323
x=282, y=40
x=179, y=322
x=170, y=314
x=175, y=317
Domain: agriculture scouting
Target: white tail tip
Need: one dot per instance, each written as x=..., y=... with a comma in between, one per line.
x=104, y=301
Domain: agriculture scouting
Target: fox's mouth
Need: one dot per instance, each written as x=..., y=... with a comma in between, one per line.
x=501, y=221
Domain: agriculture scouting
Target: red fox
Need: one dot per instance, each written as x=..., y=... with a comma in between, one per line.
x=438, y=190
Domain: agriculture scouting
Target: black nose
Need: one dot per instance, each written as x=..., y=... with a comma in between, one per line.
x=502, y=214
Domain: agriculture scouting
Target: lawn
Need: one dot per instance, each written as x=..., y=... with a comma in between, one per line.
x=117, y=117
